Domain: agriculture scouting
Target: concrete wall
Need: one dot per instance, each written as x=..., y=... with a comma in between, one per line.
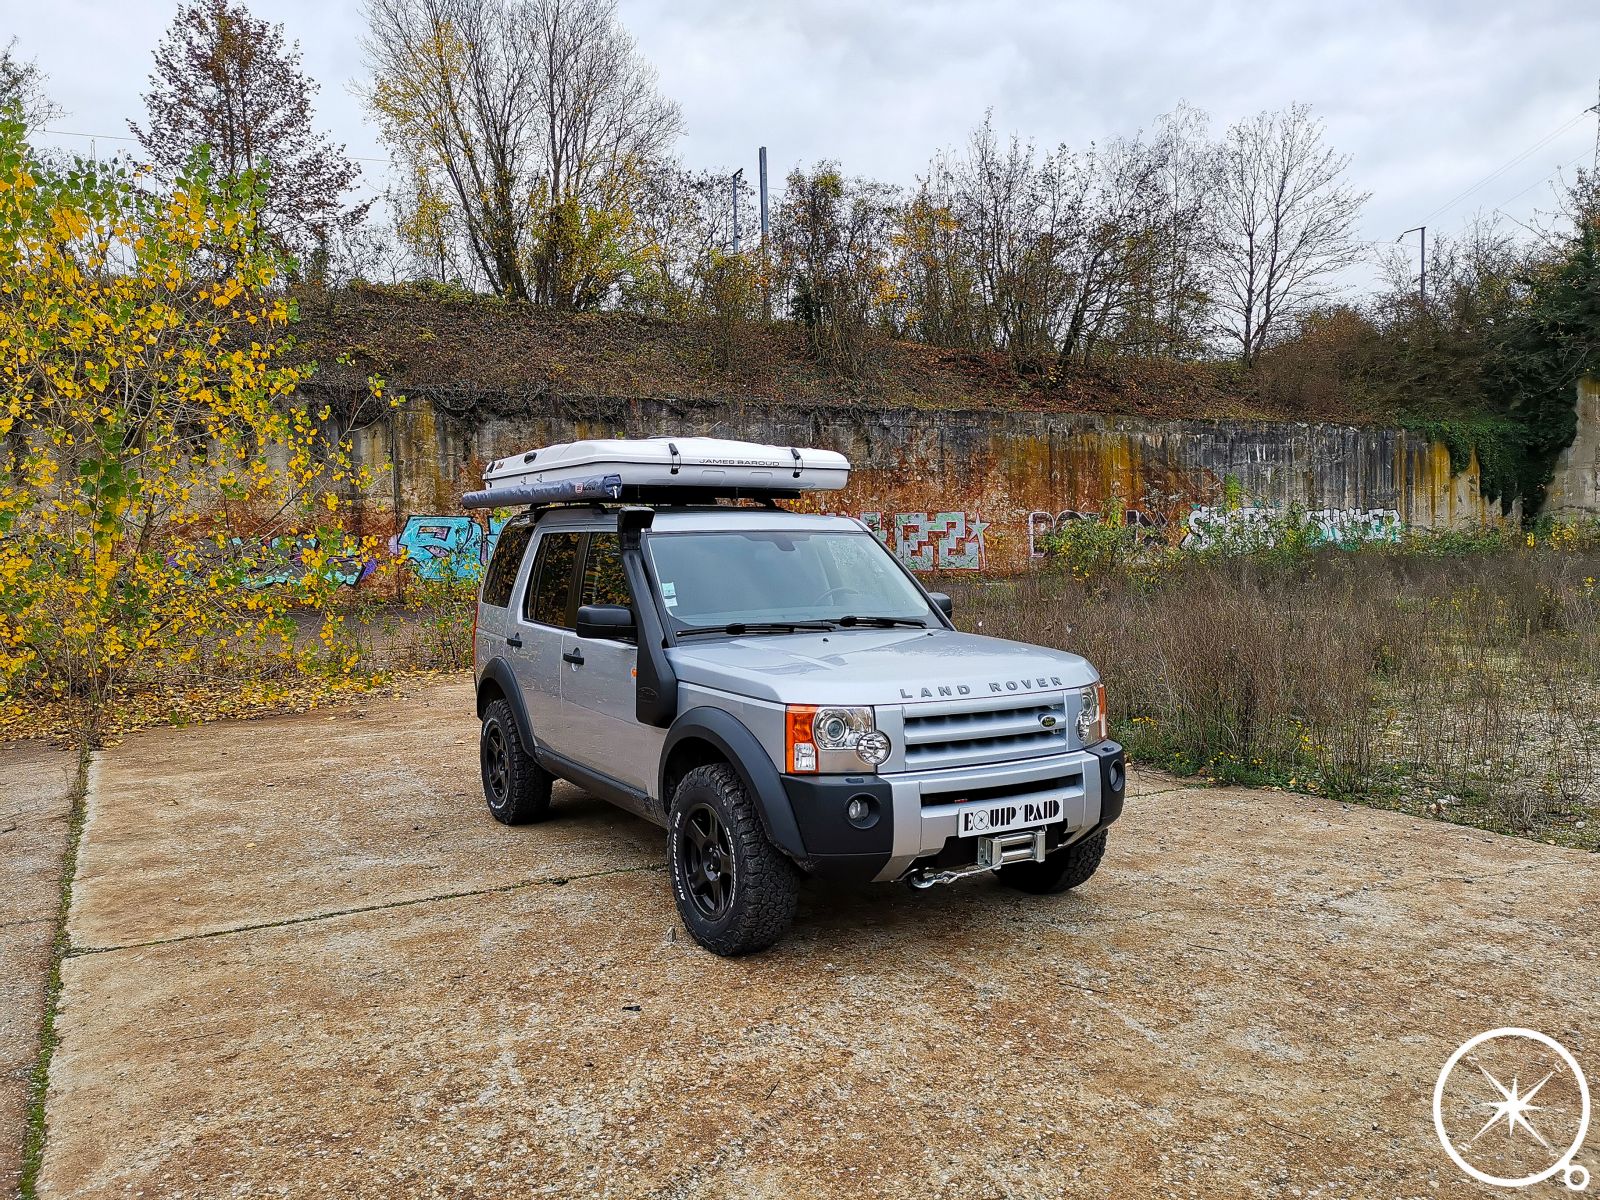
x=1575, y=489
x=979, y=489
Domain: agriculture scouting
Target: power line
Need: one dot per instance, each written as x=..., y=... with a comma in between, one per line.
x=1495, y=174
x=1536, y=183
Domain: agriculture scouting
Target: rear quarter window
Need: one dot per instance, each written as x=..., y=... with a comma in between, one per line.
x=501, y=575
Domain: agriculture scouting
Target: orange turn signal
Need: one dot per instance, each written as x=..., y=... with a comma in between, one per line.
x=800, y=747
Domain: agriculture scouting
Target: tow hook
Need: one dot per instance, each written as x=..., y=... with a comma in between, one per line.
x=924, y=879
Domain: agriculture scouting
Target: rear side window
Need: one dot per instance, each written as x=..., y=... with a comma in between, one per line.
x=550, y=589
x=603, y=580
x=501, y=576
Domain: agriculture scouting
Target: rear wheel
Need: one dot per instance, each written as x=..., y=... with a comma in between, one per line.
x=1059, y=872
x=516, y=788
x=735, y=891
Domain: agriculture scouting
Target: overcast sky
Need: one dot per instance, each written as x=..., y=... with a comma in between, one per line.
x=1427, y=96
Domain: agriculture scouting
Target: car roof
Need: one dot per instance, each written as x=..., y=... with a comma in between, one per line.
x=711, y=517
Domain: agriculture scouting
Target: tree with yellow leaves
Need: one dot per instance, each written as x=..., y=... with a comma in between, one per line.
x=154, y=460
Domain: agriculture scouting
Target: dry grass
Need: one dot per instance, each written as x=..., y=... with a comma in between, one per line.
x=1461, y=686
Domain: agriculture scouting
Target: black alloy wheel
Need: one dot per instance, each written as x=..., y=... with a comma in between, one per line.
x=496, y=766
x=708, y=862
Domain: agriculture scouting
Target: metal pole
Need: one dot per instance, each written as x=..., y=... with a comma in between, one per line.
x=1422, y=280
x=736, y=176
x=766, y=291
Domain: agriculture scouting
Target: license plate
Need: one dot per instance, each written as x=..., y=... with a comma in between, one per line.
x=1002, y=816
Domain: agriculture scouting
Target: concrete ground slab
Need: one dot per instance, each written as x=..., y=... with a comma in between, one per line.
x=36, y=785
x=1253, y=997
x=252, y=822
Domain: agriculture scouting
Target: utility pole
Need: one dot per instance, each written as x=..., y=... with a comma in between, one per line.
x=766, y=288
x=1595, y=109
x=1422, y=243
x=737, y=175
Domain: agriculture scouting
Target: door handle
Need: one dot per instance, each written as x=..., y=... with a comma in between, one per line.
x=575, y=657
x=515, y=640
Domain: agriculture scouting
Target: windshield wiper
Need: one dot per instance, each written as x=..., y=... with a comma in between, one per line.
x=738, y=628
x=884, y=622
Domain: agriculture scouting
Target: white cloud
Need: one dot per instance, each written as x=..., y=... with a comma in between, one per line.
x=1426, y=97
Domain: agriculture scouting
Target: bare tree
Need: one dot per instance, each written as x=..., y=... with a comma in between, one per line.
x=832, y=241
x=936, y=290
x=22, y=86
x=536, y=118
x=1110, y=247
x=226, y=80
x=1285, y=222
x=1063, y=255
x=1010, y=212
x=1177, y=322
x=685, y=222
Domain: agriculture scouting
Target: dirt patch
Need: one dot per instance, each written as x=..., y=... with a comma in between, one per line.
x=354, y=982
x=35, y=803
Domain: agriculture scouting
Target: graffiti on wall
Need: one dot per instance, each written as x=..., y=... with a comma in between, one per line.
x=1042, y=524
x=1335, y=526
x=434, y=548
x=272, y=562
x=937, y=541
x=445, y=547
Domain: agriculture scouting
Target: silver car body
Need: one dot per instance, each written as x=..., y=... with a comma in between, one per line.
x=963, y=713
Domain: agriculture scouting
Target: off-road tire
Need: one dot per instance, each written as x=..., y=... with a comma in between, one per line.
x=764, y=884
x=1059, y=872
x=516, y=788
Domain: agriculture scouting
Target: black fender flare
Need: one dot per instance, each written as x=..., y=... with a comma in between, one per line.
x=749, y=761
x=498, y=671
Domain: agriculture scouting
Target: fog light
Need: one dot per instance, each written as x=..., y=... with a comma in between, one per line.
x=857, y=809
x=872, y=748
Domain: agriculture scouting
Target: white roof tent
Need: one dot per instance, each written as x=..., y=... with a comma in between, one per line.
x=659, y=470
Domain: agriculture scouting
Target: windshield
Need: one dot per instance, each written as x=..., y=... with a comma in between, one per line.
x=709, y=580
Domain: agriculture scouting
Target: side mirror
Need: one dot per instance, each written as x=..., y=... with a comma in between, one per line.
x=614, y=621
x=943, y=603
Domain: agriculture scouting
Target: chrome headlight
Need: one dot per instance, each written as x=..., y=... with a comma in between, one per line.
x=1092, y=714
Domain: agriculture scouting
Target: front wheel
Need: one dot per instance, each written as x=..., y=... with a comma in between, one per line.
x=1061, y=871
x=735, y=891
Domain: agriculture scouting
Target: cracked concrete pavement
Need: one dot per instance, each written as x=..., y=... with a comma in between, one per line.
x=36, y=786
x=305, y=961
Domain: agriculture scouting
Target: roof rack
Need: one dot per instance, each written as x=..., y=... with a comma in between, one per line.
x=658, y=471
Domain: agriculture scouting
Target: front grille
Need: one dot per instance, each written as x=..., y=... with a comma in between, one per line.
x=1027, y=789
x=966, y=733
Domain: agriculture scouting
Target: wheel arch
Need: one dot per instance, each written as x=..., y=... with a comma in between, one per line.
x=499, y=682
x=703, y=735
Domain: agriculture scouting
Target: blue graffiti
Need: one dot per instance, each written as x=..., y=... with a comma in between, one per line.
x=439, y=548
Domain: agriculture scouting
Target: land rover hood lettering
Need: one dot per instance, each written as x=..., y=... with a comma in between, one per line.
x=996, y=687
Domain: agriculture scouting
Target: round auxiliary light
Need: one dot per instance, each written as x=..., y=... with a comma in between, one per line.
x=857, y=809
x=873, y=747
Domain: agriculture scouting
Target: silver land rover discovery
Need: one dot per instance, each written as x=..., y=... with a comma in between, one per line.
x=782, y=695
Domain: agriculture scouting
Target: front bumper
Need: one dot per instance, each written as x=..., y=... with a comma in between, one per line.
x=914, y=814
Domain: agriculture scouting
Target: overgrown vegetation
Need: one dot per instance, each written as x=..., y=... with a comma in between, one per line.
x=154, y=458
x=1454, y=675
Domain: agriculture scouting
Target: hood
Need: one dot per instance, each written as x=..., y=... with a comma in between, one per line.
x=875, y=666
